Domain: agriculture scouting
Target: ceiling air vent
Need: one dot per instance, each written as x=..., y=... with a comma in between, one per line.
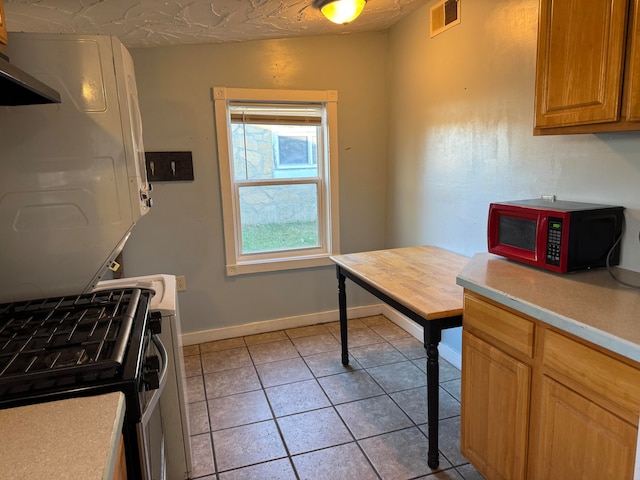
x=444, y=15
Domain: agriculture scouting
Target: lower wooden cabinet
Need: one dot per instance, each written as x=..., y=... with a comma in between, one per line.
x=494, y=386
x=577, y=438
x=120, y=470
x=543, y=405
x=3, y=27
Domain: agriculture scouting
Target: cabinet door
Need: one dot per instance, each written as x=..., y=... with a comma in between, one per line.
x=579, y=439
x=632, y=80
x=581, y=48
x=495, y=410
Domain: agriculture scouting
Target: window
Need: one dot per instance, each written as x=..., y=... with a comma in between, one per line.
x=278, y=165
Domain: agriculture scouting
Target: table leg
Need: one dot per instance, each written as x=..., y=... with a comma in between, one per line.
x=432, y=336
x=342, y=302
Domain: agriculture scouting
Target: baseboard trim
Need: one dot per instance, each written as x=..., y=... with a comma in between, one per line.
x=276, y=324
x=266, y=326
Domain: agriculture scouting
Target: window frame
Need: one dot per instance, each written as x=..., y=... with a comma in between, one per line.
x=238, y=263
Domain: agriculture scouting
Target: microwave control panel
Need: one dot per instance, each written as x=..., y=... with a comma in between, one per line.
x=554, y=240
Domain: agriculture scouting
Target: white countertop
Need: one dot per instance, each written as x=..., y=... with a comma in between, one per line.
x=67, y=439
x=589, y=304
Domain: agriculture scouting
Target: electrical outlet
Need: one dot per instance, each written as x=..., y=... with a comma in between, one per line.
x=181, y=283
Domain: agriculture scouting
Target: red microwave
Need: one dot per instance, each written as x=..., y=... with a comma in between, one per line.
x=559, y=236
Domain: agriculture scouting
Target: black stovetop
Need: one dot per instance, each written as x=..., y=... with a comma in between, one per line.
x=65, y=339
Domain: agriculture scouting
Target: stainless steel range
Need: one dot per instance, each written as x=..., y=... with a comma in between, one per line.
x=107, y=341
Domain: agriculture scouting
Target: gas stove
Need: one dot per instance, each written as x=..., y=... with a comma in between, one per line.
x=65, y=339
x=102, y=342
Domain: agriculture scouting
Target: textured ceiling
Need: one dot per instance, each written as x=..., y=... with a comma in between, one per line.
x=148, y=23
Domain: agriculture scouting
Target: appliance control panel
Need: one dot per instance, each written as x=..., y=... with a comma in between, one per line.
x=554, y=240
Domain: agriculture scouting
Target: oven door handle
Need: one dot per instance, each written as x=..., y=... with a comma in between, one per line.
x=155, y=398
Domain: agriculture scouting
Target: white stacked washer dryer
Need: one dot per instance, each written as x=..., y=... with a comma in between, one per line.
x=73, y=180
x=173, y=402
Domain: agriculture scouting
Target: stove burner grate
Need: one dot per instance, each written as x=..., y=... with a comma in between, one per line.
x=53, y=338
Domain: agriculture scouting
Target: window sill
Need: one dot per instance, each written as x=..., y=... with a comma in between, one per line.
x=273, y=265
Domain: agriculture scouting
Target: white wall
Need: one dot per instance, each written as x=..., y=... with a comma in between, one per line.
x=183, y=232
x=461, y=134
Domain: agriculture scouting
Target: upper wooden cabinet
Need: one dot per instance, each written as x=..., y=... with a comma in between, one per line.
x=633, y=66
x=588, y=66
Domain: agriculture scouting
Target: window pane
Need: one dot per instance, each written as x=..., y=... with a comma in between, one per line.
x=263, y=151
x=279, y=217
x=293, y=150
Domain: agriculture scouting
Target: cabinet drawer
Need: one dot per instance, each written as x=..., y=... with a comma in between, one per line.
x=485, y=319
x=606, y=376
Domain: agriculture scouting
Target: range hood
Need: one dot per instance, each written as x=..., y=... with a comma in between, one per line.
x=19, y=88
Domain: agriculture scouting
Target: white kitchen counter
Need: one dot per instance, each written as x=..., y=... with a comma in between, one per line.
x=67, y=439
x=590, y=304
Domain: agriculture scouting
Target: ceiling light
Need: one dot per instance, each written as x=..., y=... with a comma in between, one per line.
x=340, y=11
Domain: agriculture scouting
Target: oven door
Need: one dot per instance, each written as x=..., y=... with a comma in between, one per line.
x=150, y=432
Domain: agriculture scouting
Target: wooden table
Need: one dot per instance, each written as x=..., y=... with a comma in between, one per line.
x=420, y=283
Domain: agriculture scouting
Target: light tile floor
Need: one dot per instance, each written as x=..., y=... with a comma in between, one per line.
x=281, y=406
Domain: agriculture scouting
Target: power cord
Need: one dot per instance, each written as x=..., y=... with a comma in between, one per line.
x=609, y=269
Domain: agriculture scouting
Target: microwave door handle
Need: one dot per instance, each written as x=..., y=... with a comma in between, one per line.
x=155, y=398
x=542, y=240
